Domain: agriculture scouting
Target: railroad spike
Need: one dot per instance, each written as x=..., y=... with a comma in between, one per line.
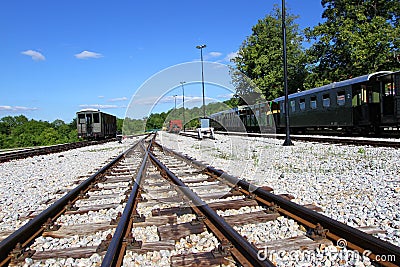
x=317, y=233
x=132, y=243
x=19, y=254
x=198, y=220
x=83, y=195
x=70, y=206
x=223, y=249
x=50, y=226
x=116, y=220
x=104, y=244
x=138, y=218
x=272, y=209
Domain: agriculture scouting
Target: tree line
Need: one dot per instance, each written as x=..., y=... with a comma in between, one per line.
x=18, y=131
x=157, y=121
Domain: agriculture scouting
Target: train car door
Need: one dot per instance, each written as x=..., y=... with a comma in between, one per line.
x=396, y=83
x=366, y=104
x=390, y=99
x=81, y=125
x=89, y=126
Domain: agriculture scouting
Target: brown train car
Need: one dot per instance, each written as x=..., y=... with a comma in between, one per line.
x=94, y=124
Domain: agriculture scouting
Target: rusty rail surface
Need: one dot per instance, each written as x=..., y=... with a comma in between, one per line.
x=116, y=249
x=355, y=238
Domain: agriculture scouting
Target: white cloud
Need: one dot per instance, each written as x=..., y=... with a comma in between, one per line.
x=88, y=54
x=231, y=56
x=35, y=55
x=230, y=95
x=16, y=108
x=101, y=96
x=99, y=106
x=118, y=99
x=214, y=54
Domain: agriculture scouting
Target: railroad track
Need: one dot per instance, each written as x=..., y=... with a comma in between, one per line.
x=20, y=154
x=164, y=208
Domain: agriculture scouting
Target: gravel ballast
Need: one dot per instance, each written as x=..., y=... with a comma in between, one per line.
x=27, y=185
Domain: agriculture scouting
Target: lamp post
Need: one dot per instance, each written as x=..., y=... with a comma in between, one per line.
x=202, y=76
x=183, y=104
x=287, y=142
x=175, y=101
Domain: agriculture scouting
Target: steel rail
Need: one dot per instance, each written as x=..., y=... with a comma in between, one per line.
x=355, y=238
x=115, y=250
x=24, y=234
x=238, y=241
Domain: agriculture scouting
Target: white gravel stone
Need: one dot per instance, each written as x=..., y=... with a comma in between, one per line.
x=27, y=184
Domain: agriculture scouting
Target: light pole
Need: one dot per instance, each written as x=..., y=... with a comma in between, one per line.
x=175, y=102
x=202, y=76
x=183, y=104
x=287, y=142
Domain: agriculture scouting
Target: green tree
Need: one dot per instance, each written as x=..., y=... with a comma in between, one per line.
x=120, y=123
x=357, y=37
x=232, y=103
x=18, y=131
x=260, y=58
x=49, y=136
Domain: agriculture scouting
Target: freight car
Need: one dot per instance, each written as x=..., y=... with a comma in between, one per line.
x=174, y=126
x=94, y=124
x=364, y=105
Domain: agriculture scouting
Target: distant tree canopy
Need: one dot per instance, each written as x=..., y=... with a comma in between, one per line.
x=156, y=121
x=357, y=37
x=18, y=131
x=260, y=58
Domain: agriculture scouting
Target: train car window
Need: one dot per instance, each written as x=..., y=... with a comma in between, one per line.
x=293, y=105
x=364, y=94
x=341, y=98
x=326, y=100
x=313, y=102
x=81, y=118
x=302, y=104
x=96, y=117
x=282, y=106
x=374, y=95
x=389, y=89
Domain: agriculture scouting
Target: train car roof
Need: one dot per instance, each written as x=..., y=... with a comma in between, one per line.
x=235, y=109
x=333, y=85
x=89, y=110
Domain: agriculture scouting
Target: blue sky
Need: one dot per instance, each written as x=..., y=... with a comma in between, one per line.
x=57, y=57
